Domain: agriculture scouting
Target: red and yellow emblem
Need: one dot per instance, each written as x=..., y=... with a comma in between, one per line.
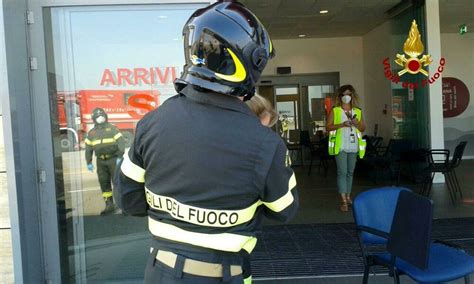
x=413, y=47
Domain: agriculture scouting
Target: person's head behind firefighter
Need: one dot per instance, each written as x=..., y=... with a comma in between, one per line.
x=226, y=49
x=99, y=116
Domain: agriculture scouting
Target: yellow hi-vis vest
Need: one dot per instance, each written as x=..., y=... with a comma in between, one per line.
x=335, y=136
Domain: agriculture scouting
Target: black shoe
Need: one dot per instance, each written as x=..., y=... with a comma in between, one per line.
x=109, y=207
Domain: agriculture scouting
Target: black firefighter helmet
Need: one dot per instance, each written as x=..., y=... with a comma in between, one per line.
x=226, y=49
x=99, y=112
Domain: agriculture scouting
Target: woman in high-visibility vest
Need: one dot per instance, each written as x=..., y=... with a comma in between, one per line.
x=345, y=125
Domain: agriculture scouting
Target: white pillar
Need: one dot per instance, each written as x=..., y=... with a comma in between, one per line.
x=433, y=43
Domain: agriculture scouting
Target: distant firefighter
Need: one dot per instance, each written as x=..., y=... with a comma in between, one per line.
x=108, y=144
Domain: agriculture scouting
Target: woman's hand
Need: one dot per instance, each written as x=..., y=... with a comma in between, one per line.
x=355, y=122
x=346, y=123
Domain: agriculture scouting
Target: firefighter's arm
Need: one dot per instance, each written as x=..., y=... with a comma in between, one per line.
x=118, y=137
x=89, y=149
x=280, y=194
x=129, y=183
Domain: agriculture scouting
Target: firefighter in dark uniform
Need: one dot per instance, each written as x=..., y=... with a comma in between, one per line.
x=108, y=144
x=202, y=167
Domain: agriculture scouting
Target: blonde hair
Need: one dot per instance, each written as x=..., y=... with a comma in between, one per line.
x=340, y=93
x=261, y=107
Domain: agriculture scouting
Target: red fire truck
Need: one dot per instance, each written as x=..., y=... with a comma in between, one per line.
x=124, y=110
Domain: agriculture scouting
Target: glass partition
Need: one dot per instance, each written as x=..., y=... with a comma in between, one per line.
x=410, y=113
x=457, y=47
x=122, y=59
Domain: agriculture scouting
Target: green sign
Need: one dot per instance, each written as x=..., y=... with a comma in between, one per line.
x=462, y=29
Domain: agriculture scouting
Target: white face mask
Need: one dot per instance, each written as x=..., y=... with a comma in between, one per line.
x=346, y=99
x=100, y=120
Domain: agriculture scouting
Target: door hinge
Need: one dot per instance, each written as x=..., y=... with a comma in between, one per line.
x=41, y=176
x=30, y=17
x=33, y=63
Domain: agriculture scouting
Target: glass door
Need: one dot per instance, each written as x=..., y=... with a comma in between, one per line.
x=123, y=59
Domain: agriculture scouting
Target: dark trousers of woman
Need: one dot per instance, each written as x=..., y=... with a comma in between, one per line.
x=158, y=272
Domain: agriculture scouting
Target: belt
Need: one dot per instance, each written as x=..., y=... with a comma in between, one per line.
x=105, y=157
x=197, y=267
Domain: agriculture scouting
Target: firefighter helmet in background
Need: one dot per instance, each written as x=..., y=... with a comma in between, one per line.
x=97, y=112
x=226, y=49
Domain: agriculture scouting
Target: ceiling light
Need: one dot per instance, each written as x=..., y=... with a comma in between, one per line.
x=323, y=12
x=162, y=16
x=301, y=35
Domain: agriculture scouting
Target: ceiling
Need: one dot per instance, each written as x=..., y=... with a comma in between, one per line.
x=287, y=19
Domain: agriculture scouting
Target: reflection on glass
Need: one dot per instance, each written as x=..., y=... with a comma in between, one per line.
x=122, y=60
x=286, y=91
x=287, y=109
x=287, y=118
x=319, y=104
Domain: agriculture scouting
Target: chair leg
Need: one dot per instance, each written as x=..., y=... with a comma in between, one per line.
x=454, y=184
x=397, y=277
x=366, y=274
x=467, y=279
x=457, y=183
x=325, y=168
x=430, y=185
x=310, y=165
x=450, y=189
x=424, y=186
x=394, y=274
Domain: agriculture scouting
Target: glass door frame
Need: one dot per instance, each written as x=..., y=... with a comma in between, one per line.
x=49, y=234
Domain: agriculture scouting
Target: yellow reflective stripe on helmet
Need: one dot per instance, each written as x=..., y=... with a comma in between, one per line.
x=239, y=75
x=117, y=136
x=223, y=242
x=198, y=215
x=107, y=194
x=281, y=203
x=131, y=170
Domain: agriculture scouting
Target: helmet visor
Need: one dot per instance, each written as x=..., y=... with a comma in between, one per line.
x=210, y=52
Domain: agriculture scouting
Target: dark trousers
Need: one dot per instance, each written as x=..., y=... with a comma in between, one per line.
x=105, y=173
x=158, y=272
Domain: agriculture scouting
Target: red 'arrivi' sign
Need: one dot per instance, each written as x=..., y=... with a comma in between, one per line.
x=455, y=97
x=138, y=76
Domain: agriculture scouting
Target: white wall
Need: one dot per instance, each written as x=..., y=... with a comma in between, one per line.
x=376, y=47
x=343, y=55
x=459, y=53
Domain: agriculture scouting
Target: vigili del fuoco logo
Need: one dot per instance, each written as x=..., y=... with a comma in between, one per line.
x=412, y=63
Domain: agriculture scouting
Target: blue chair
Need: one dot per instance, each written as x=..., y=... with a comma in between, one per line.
x=409, y=248
x=373, y=213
